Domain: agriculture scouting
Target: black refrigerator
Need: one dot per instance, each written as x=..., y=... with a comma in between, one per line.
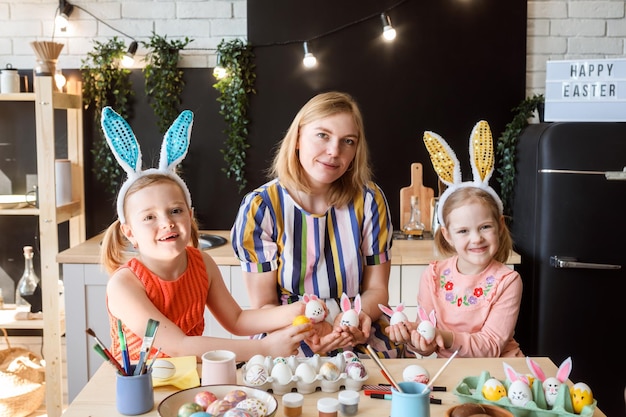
x=569, y=226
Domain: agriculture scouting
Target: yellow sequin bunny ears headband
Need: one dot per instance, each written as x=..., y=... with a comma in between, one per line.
x=448, y=168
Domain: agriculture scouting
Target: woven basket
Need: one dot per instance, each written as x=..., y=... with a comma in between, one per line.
x=22, y=376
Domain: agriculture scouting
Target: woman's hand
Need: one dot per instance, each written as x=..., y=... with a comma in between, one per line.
x=360, y=334
x=323, y=338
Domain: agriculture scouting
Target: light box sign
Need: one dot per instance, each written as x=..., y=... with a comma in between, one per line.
x=586, y=91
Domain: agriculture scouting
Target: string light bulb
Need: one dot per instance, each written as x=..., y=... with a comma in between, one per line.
x=59, y=79
x=128, y=60
x=65, y=10
x=309, y=60
x=219, y=71
x=389, y=33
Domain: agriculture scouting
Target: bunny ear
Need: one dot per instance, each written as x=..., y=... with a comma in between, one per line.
x=444, y=159
x=564, y=370
x=121, y=140
x=433, y=319
x=422, y=314
x=345, y=303
x=535, y=369
x=176, y=141
x=306, y=298
x=357, y=303
x=385, y=309
x=481, y=152
x=510, y=372
x=400, y=307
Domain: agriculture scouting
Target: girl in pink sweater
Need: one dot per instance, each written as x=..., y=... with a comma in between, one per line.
x=474, y=295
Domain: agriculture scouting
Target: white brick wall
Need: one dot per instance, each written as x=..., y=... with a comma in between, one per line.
x=557, y=29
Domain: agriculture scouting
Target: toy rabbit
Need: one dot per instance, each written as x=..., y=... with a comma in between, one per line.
x=396, y=315
x=350, y=315
x=314, y=308
x=519, y=391
x=427, y=324
x=551, y=384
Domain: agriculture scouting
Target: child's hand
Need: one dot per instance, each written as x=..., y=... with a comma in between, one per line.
x=285, y=342
x=422, y=346
x=401, y=332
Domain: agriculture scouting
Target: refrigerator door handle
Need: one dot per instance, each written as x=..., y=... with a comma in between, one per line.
x=568, y=262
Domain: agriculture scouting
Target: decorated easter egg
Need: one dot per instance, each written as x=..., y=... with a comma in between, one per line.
x=256, y=374
x=219, y=407
x=356, y=370
x=415, y=373
x=519, y=393
x=254, y=406
x=493, y=389
x=200, y=414
x=236, y=396
x=163, y=369
x=300, y=320
x=350, y=356
x=187, y=409
x=581, y=396
x=330, y=371
x=305, y=372
x=204, y=398
x=257, y=360
x=237, y=412
x=281, y=372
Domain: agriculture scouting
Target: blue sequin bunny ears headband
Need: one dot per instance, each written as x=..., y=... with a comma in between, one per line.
x=126, y=150
x=448, y=168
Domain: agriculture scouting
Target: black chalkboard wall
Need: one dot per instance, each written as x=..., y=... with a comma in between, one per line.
x=453, y=63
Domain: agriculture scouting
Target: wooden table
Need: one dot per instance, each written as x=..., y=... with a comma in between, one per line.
x=97, y=399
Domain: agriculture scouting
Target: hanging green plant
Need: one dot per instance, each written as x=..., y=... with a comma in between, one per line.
x=164, y=80
x=236, y=58
x=506, y=144
x=106, y=83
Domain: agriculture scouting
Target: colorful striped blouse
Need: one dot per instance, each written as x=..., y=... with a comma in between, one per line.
x=323, y=254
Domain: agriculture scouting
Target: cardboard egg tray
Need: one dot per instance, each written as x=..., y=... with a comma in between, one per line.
x=469, y=390
x=321, y=380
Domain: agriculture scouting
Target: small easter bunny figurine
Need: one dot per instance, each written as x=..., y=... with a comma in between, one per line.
x=519, y=391
x=396, y=315
x=314, y=308
x=350, y=315
x=551, y=384
x=427, y=324
x=448, y=168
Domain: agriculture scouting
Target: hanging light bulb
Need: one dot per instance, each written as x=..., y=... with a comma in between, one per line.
x=309, y=59
x=59, y=79
x=65, y=10
x=129, y=57
x=219, y=71
x=389, y=33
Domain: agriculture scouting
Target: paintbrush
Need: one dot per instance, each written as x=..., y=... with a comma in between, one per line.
x=384, y=370
x=108, y=354
x=146, y=345
x=445, y=365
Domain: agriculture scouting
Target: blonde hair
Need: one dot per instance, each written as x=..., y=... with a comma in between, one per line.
x=286, y=165
x=114, y=243
x=467, y=195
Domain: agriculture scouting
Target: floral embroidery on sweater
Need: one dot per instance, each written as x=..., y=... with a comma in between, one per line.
x=471, y=297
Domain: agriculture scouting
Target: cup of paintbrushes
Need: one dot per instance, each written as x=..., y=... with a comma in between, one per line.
x=134, y=393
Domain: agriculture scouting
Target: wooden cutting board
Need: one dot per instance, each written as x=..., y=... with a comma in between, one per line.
x=425, y=196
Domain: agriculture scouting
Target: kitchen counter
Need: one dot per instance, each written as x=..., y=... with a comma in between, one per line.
x=404, y=252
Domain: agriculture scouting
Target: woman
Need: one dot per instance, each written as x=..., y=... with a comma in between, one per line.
x=320, y=226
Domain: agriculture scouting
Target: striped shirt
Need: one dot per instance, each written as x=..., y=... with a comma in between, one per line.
x=322, y=254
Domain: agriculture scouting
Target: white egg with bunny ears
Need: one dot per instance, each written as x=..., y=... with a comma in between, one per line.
x=396, y=315
x=427, y=324
x=550, y=384
x=519, y=391
x=350, y=315
x=314, y=309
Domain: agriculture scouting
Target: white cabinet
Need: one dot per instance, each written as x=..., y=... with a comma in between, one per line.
x=46, y=100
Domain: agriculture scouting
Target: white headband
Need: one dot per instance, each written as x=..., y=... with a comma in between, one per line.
x=126, y=150
x=448, y=168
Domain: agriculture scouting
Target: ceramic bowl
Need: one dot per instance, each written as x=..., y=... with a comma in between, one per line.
x=170, y=405
x=470, y=409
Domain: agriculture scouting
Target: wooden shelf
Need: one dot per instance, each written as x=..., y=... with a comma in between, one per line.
x=46, y=100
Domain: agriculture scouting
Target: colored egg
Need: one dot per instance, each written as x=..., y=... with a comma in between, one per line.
x=200, y=414
x=305, y=372
x=219, y=407
x=256, y=374
x=330, y=371
x=300, y=320
x=204, y=398
x=281, y=372
x=187, y=409
x=237, y=412
x=350, y=356
x=415, y=373
x=254, y=406
x=235, y=396
x=493, y=389
x=356, y=370
x=581, y=396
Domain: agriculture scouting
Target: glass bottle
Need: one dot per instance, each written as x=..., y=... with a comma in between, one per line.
x=414, y=229
x=29, y=282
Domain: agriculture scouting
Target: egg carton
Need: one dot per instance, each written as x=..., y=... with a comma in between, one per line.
x=305, y=375
x=469, y=390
